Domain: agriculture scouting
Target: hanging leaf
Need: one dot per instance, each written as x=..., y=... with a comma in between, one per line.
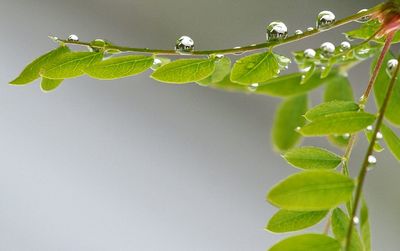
x=184, y=71
x=257, y=68
x=380, y=88
x=330, y=108
x=307, y=242
x=70, y=65
x=48, y=85
x=309, y=157
x=392, y=141
x=338, y=88
x=120, y=67
x=31, y=71
x=222, y=69
x=288, y=117
x=365, y=226
x=338, y=123
x=290, y=85
x=312, y=191
x=340, y=223
x=287, y=221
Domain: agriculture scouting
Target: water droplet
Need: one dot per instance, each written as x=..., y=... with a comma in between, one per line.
x=55, y=39
x=362, y=53
x=276, y=31
x=305, y=69
x=298, y=129
x=391, y=66
x=344, y=46
x=309, y=53
x=327, y=49
x=73, y=38
x=310, y=28
x=252, y=45
x=253, y=87
x=325, y=19
x=184, y=45
x=298, y=32
x=363, y=19
x=156, y=64
x=370, y=128
x=346, y=135
x=379, y=135
x=371, y=160
x=356, y=220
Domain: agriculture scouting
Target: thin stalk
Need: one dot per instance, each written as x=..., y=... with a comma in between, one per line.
x=365, y=164
x=236, y=50
x=385, y=49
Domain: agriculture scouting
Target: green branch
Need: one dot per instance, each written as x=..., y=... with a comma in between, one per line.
x=236, y=50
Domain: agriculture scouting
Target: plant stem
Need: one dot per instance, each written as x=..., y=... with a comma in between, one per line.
x=385, y=49
x=236, y=50
x=365, y=164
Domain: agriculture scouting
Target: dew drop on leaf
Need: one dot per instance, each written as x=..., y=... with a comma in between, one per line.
x=276, y=31
x=325, y=19
x=73, y=38
x=310, y=28
x=379, y=135
x=253, y=87
x=184, y=45
x=309, y=53
x=327, y=49
x=370, y=128
x=391, y=66
x=344, y=46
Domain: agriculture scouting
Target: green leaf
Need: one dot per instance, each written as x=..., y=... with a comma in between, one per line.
x=340, y=224
x=48, y=85
x=365, y=226
x=309, y=157
x=290, y=85
x=380, y=88
x=338, y=123
x=307, y=242
x=367, y=30
x=184, y=71
x=222, y=69
x=312, y=191
x=330, y=108
x=120, y=67
x=392, y=141
x=288, y=117
x=31, y=71
x=70, y=65
x=256, y=68
x=287, y=221
x=338, y=88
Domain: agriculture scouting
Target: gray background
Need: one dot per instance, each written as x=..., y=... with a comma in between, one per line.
x=133, y=164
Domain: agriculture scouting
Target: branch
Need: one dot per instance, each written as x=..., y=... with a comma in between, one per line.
x=365, y=164
x=237, y=50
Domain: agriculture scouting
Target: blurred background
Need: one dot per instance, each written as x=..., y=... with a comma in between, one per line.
x=134, y=164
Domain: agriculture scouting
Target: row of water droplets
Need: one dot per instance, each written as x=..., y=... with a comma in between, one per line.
x=276, y=31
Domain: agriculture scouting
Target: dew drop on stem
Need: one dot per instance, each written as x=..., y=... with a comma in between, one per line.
x=73, y=38
x=391, y=66
x=309, y=53
x=363, y=19
x=325, y=19
x=276, y=31
x=184, y=45
x=327, y=49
